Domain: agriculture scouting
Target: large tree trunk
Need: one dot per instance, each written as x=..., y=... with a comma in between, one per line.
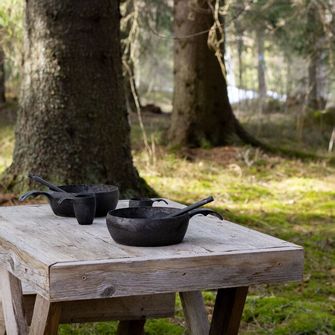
x=201, y=110
x=72, y=126
x=2, y=76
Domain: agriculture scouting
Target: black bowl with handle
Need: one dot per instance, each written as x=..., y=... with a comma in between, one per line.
x=150, y=226
x=106, y=196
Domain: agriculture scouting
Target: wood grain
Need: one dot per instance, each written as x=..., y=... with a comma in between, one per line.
x=195, y=313
x=85, y=280
x=12, y=304
x=134, y=308
x=228, y=310
x=46, y=251
x=2, y=322
x=46, y=317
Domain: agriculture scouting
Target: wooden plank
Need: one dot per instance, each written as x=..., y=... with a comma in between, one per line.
x=195, y=312
x=34, y=247
x=46, y=317
x=134, y=308
x=85, y=280
x=25, y=267
x=36, y=232
x=228, y=310
x=12, y=304
x=2, y=322
x=131, y=327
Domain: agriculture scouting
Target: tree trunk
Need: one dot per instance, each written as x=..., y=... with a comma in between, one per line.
x=262, y=91
x=72, y=126
x=202, y=114
x=2, y=76
x=315, y=35
x=312, y=89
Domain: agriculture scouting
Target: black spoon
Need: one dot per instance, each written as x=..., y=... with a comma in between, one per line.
x=191, y=207
x=46, y=183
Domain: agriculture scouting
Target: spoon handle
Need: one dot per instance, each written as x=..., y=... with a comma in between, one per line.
x=46, y=183
x=193, y=206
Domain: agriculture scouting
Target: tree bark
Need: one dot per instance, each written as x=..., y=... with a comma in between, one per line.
x=202, y=113
x=2, y=76
x=72, y=126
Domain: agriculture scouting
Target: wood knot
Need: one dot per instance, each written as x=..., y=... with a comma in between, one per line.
x=108, y=291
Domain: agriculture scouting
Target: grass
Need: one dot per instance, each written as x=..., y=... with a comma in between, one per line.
x=288, y=198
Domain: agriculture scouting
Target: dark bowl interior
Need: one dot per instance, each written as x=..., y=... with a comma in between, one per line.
x=107, y=197
x=146, y=226
x=143, y=212
x=98, y=188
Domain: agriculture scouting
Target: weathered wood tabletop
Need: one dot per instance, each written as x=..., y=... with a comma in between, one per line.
x=63, y=261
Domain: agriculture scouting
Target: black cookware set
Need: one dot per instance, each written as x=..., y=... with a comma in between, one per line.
x=140, y=224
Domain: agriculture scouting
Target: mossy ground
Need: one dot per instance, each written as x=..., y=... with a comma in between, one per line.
x=288, y=198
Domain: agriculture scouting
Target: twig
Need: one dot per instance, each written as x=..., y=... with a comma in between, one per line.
x=331, y=141
x=128, y=57
x=202, y=32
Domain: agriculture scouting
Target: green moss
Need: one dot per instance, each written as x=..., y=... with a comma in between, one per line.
x=288, y=198
x=152, y=327
x=279, y=315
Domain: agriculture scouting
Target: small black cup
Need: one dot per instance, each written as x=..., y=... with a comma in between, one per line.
x=84, y=206
x=144, y=202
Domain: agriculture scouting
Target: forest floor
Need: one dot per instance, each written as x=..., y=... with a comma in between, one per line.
x=288, y=198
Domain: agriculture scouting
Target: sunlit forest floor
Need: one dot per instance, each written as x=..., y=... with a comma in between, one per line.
x=288, y=198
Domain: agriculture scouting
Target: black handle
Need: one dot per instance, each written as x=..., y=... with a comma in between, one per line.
x=34, y=193
x=205, y=211
x=46, y=183
x=191, y=207
x=75, y=196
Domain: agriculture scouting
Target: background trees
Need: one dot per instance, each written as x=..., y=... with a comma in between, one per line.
x=201, y=110
x=289, y=198
x=2, y=76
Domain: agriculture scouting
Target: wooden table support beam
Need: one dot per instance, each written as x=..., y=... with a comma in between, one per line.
x=12, y=304
x=46, y=317
x=228, y=310
x=195, y=313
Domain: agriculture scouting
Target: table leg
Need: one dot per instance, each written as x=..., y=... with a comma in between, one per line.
x=131, y=327
x=12, y=304
x=2, y=321
x=228, y=310
x=46, y=317
x=196, y=316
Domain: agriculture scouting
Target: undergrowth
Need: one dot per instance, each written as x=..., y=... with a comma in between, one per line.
x=288, y=198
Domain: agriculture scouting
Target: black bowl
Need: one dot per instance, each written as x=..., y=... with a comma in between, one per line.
x=150, y=226
x=106, y=196
x=146, y=226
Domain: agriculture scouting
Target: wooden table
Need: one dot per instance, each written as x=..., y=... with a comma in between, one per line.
x=80, y=274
